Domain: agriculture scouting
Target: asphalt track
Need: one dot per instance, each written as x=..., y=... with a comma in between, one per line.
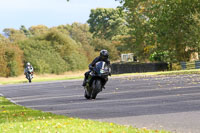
x=154, y=102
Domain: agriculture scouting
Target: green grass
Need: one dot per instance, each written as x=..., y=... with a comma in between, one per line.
x=18, y=119
x=39, y=80
x=179, y=72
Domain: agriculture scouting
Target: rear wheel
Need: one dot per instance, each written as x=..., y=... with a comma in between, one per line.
x=96, y=85
x=86, y=95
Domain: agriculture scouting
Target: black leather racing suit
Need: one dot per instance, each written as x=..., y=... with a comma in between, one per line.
x=92, y=65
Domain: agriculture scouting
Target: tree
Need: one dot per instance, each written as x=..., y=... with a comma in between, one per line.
x=14, y=35
x=11, y=59
x=43, y=57
x=165, y=26
x=3, y=39
x=38, y=29
x=80, y=33
x=107, y=22
x=173, y=28
x=26, y=32
x=100, y=44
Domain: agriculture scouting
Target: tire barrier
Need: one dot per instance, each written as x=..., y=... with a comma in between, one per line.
x=190, y=65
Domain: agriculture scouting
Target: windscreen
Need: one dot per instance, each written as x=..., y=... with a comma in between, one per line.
x=101, y=65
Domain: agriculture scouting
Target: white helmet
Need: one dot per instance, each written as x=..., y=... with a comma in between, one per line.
x=28, y=63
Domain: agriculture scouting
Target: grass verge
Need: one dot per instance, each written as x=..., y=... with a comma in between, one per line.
x=43, y=78
x=16, y=81
x=179, y=72
x=79, y=75
x=15, y=118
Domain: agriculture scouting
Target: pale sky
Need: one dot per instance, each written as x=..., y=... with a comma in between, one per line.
x=14, y=13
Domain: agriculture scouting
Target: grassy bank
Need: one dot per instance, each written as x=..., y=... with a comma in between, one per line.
x=79, y=75
x=15, y=118
x=42, y=78
x=179, y=72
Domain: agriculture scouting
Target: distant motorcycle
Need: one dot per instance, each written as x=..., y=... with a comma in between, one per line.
x=96, y=78
x=29, y=75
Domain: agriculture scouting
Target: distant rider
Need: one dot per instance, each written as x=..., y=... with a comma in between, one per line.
x=29, y=68
x=103, y=57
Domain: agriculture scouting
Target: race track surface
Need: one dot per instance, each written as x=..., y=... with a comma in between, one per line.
x=154, y=102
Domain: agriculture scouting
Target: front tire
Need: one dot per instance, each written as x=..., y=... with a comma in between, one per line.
x=29, y=78
x=97, y=87
x=86, y=96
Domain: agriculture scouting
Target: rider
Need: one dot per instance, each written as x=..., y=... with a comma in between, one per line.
x=28, y=68
x=103, y=57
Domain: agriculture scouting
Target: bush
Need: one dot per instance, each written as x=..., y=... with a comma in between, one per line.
x=11, y=60
x=76, y=61
x=176, y=66
x=54, y=53
x=43, y=57
x=68, y=49
x=3, y=63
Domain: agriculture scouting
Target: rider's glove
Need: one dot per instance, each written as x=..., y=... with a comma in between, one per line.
x=91, y=68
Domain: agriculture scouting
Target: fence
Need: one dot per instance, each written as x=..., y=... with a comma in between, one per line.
x=119, y=68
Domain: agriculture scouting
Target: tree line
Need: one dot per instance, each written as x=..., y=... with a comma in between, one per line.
x=51, y=50
x=164, y=31
x=62, y=48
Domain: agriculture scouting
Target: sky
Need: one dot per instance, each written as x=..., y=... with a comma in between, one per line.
x=14, y=13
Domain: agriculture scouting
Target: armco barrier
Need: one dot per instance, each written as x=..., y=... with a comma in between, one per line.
x=119, y=68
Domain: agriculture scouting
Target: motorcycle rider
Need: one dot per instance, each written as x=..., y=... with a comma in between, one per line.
x=28, y=68
x=103, y=57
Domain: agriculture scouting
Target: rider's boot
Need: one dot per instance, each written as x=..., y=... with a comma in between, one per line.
x=103, y=86
x=84, y=82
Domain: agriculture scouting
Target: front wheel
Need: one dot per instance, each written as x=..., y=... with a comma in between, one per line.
x=86, y=95
x=97, y=87
x=29, y=78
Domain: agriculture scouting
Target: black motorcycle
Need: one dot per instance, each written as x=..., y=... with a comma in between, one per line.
x=96, y=79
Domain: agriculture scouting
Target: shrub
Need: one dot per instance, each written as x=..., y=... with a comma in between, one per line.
x=43, y=57
x=54, y=52
x=11, y=60
x=68, y=49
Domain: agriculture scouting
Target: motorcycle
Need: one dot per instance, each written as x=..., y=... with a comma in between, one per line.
x=29, y=75
x=96, y=78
